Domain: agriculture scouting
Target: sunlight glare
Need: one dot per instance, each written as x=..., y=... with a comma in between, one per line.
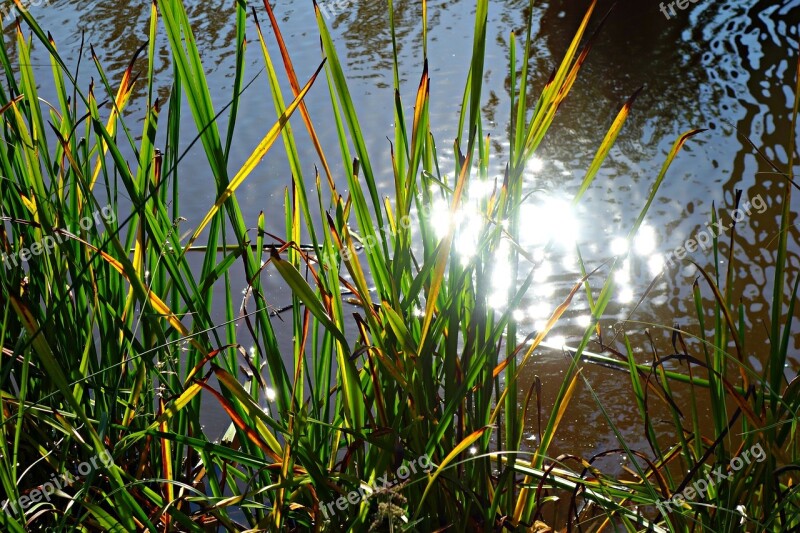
x=546, y=220
x=656, y=264
x=534, y=165
x=645, y=241
x=501, y=277
x=619, y=246
x=557, y=340
x=625, y=295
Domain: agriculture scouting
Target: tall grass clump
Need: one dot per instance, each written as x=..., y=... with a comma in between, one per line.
x=734, y=467
x=109, y=346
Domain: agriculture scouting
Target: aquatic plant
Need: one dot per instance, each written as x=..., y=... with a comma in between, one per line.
x=109, y=346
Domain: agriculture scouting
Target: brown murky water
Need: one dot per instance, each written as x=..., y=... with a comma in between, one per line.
x=726, y=66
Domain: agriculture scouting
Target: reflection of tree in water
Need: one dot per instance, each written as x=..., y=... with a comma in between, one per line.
x=636, y=46
x=118, y=29
x=714, y=63
x=212, y=23
x=752, y=65
x=368, y=38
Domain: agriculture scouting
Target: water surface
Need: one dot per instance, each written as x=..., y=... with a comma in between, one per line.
x=724, y=66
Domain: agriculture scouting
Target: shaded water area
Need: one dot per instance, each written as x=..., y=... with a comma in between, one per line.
x=716, y=65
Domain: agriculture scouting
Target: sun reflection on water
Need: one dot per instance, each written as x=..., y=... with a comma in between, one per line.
x=549, y=220
x=501, y=277
x=550, y=234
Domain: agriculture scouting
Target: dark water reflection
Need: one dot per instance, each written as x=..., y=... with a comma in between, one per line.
x=726, y=66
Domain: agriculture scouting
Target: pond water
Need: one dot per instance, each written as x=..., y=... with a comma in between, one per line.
x=725, y=66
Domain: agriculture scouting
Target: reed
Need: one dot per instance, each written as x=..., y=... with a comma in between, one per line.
x=109, y=348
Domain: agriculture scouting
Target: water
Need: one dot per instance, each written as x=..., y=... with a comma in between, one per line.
x=725, y=66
